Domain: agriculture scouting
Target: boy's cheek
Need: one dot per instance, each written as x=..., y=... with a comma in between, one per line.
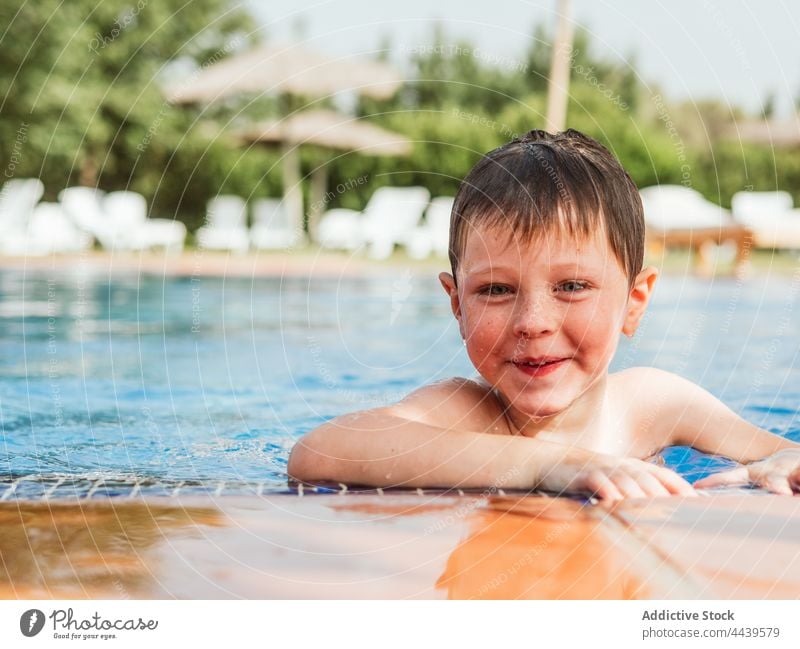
x=485, y=342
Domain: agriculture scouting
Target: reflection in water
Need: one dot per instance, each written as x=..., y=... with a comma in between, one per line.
x=89, y=550
x=539, y=549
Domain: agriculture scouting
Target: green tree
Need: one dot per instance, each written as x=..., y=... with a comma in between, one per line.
x=86, y=74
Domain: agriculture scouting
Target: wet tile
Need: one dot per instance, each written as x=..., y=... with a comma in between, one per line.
x=400, y=546
x=733, y=546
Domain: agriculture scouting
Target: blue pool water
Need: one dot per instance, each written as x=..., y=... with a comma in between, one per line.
x=203, y=382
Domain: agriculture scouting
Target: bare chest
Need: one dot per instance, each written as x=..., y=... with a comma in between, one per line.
x=630, y=427
x=620, y=428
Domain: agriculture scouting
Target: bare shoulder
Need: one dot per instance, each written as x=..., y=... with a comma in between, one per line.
x=662, y=405
x=644, y=380
x=456, y=403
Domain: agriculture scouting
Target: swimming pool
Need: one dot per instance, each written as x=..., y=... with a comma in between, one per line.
x=204, y=384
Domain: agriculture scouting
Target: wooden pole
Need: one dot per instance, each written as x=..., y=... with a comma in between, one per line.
x=292, y=190
x=290, y=165
x=558, y=86
x=319, y=186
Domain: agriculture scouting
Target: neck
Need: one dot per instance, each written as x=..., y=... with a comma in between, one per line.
x=574, y=424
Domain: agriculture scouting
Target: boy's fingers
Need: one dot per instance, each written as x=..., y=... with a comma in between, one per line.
x=652, y=486
x=628, y=486
x=601, y=485
x=777, y=485
x=674, y=483
x=733, y=477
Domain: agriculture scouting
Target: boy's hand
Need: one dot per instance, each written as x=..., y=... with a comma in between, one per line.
x=613, y=478
x=779, y=473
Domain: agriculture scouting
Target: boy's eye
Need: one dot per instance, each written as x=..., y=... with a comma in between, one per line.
x=572, y=286
x=494, y=289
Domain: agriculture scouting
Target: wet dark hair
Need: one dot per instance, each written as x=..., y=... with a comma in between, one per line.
x=542, y=183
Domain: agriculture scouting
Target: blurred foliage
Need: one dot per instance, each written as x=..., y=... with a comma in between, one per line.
x=83, y=103
x=83, y=79
x=462, y=102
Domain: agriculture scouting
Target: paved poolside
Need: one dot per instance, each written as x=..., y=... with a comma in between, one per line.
x=304, y=262
x=311, y=261
x=725, y=545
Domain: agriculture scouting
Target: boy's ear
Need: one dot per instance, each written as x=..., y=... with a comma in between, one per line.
x=449, y=285
x=638, y=299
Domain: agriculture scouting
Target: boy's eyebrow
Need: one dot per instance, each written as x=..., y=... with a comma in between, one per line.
x=493, y=268
x=484, y=268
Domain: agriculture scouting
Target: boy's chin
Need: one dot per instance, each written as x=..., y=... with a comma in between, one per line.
x=530, y=407
x=541, y=410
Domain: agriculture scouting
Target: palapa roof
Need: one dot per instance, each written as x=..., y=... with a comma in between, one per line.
x=286, y=69
x=783, y=133
x=329, y=129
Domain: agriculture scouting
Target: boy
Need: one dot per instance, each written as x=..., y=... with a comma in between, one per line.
x=546, y=251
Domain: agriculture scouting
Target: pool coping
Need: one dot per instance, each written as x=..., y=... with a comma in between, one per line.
x=366, y=546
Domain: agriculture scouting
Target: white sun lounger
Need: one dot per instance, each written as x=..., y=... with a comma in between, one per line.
x=271, y=227
x=771, y=216
x=226, y=225
x=52, y=231
x=119, y=220
x=434, y=235
x=83, y=205
x=392, y=215
x=340, y=229
x=390, y=218
x=49, y=231
x=133, y=230
x=18, y=198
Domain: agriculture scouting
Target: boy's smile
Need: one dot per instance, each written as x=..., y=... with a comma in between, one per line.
x=541, y=321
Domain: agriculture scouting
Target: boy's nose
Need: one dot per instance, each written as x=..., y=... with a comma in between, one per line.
x=535, y=316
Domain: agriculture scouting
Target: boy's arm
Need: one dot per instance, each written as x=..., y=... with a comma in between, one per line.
x=694, y=417
x=691, y=416
x=381, y=448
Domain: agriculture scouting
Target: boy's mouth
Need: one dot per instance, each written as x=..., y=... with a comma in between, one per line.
x=538, y=366
x=537, y=362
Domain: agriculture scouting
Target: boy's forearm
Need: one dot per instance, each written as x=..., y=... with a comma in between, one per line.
x=769, y=447
x=380, y=450
x=739, y=440
x=695, y=417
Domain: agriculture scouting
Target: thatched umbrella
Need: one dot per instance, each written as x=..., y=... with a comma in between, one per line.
x=290, y=69
x=285, y=70
x=785, y=133
x=327, y=129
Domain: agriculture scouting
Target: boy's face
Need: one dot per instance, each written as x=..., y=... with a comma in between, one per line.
x=541, y=321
